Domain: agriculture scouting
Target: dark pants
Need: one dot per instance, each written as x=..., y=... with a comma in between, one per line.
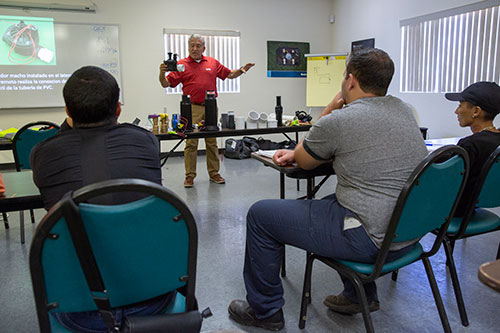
x=91, y=321
x=313, y=225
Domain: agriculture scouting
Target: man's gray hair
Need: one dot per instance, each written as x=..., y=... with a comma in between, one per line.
x=197, y=36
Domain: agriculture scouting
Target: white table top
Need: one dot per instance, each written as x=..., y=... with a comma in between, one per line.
x=434, y=144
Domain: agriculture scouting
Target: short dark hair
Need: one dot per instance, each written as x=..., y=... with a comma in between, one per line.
x=91, y=96
x=373, y=68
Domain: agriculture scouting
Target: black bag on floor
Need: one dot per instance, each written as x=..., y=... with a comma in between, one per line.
x=265, y=144
x=236, y=149
x=251, y=143
x=240, y=149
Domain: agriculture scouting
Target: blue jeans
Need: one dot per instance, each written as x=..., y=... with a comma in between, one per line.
x=313, y=225
x=91, y=321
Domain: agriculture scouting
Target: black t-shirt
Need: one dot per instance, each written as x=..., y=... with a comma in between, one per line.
x=479, y=146
x=77, y=157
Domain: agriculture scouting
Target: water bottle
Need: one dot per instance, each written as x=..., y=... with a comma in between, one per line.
x=186, y=112
x=279, y=111
x=211, y=111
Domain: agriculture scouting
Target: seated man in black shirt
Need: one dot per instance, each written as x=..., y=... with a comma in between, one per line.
x=96, y=148
x=479, y=104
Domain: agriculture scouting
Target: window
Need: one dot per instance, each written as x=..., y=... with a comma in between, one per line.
x=221, y=45
x=449, y=50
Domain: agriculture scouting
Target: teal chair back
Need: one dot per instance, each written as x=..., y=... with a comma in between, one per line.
x=25, y=139
x=431, y=196
x=485, y=194
x=143, y=249
x=428, y=200
x=476, y=220
x=489, y=182
x=426, y=203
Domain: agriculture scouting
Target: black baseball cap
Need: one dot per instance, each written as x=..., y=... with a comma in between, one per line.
x=484, y=94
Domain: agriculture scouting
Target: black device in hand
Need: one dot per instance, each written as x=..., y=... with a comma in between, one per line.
x=171, y=63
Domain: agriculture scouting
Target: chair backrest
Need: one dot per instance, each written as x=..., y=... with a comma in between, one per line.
x=143, y=249
x=428, y=198
x=488, y=185
x=26, y=138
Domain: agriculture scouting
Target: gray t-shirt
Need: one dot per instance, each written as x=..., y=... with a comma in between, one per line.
x=375, y=144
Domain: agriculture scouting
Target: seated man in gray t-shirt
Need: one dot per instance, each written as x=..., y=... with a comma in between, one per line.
x=374, y=144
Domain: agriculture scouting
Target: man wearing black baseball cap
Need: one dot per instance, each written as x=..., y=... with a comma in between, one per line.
x=479, y=104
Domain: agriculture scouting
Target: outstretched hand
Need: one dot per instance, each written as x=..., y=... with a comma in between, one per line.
x=248, y=66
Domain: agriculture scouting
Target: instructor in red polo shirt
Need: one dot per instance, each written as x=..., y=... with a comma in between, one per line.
x=199, y=76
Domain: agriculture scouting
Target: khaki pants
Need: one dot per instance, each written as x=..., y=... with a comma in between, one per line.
x=191, y=149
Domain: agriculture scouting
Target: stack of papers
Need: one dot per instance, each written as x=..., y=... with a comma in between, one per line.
x=266, y=153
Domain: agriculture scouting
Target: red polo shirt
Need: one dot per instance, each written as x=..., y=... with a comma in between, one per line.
x=198, y=77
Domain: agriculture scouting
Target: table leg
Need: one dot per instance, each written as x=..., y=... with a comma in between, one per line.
x=296, y=142
x=310, y=187
x=21, y=223
x=5, y=220
x=164, y=156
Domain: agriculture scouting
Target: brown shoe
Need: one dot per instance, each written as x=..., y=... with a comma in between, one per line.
x=189, y=181
x=342, y=305
x=217, y=179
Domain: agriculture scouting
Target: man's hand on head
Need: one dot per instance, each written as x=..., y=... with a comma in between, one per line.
x=336, y=103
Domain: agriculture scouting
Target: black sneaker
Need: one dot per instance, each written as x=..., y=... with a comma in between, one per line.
x=342, y=305
x=241, y=312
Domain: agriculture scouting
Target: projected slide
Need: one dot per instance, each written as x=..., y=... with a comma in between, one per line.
x=27, y=41
x=38, y=55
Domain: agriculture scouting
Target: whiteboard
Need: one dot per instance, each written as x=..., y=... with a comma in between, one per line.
x=324, y=78
x=90, y=44
x=76, y=45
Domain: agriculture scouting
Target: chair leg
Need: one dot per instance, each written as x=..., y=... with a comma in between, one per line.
x=498, y=252
x=395, y=275
x=452, y=247
x=360, y=291
x=5, y=220
x=437, y=295
x=21, y=223
x=306, y=290
x=283, y=263
x=456, y=284
x=32, y=214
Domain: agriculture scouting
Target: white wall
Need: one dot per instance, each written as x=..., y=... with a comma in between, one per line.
x=142, y=24
x=379, y=19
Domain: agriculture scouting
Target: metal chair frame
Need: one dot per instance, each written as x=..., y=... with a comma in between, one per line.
x=450, y=239
x=83, y=195
x=19, y=166
x=359, y=279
